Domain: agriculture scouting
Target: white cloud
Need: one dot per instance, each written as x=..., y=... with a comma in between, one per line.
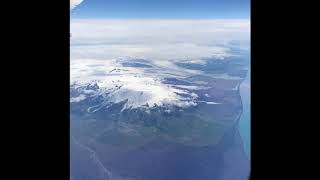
x=100, y=46
x=74, y=3
x=156, y=39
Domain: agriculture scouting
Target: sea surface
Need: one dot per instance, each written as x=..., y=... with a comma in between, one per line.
x=245, y=121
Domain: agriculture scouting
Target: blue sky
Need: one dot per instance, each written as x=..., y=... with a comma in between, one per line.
x=163, y=9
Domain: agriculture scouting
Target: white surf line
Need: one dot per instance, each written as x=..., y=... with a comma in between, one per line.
x=94, y=157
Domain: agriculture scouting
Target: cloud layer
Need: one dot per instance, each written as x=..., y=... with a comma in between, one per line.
x=157, y=39
x=102, y=49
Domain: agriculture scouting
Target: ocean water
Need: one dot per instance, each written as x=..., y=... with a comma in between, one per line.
x=245, y=120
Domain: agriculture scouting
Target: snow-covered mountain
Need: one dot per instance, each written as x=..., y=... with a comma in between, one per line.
x=138, y=82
